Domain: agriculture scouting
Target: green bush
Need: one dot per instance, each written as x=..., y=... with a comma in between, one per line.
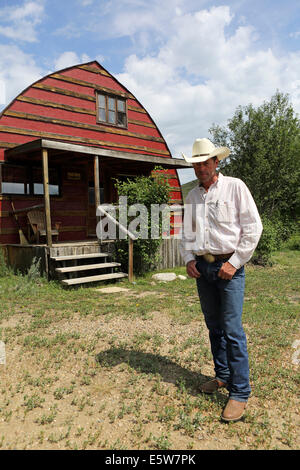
x=267, y=244
x=275, y=233
x=144, y=190
x=293, y=243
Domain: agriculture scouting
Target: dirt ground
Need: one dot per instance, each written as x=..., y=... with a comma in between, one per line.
x=119, y=383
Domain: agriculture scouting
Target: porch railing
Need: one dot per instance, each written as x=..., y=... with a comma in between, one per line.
x=131, y=238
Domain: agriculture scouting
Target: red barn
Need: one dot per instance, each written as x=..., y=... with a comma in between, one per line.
x=62, y=142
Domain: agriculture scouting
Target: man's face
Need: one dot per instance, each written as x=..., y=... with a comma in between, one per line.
x=205, y=171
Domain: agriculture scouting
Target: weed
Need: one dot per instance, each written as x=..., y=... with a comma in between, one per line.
x=33, y=401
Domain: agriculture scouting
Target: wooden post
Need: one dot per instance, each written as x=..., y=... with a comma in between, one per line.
x=130, y=260
x=97, y=187
x=97, y=181
x=47, y=196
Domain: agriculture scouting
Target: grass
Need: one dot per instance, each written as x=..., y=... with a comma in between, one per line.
x=87, y=370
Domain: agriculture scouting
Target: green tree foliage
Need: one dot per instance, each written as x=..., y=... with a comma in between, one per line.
x=265, y=154
x=144, y=190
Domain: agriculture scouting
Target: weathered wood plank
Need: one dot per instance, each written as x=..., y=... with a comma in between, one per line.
x=136, y=109
x=77, y=81
x=91, y=68
x=16, y=130
x=47, y=196
x=50, y=144
x=87, y=267
x=101, y=277
x=51, y=104
x=81, y=125
x=64, y=91
x=84, y=256
x=77, y=109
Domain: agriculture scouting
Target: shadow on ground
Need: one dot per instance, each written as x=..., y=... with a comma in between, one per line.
x=149, y=363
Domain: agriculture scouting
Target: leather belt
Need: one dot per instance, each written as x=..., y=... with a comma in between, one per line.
x=209, y=258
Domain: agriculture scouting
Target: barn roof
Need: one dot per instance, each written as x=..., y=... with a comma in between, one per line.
x=58, y=112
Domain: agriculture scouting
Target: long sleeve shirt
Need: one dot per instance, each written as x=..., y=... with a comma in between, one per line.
x=222, y=220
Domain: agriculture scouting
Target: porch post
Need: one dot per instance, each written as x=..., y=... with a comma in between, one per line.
x=46, y=196
x=97, y=181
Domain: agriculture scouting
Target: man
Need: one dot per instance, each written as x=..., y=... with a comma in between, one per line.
x=221, y=230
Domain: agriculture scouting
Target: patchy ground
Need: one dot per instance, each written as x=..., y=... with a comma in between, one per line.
x=92, y=370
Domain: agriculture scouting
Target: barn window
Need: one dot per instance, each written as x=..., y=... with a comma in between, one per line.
x=28, y=180
x=111, y=110
x=15, y=180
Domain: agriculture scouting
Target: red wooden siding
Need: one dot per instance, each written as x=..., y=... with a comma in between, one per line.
x=62, y=106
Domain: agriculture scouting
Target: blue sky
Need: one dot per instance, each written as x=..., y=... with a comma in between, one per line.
x=190, y=63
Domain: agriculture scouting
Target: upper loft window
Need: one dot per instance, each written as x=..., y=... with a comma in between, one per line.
x=111, y=110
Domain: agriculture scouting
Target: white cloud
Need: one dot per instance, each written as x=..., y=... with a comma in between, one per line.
x=69, y=58
x=22, y=20
x=17, y=71
x=201, y=73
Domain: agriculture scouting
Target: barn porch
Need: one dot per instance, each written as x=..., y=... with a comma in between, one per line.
x=72, y=263
x=86, y=175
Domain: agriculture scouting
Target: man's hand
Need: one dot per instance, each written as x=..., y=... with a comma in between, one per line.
x=191, y=269
x=227, y=271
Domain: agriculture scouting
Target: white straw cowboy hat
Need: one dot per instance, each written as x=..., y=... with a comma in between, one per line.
x=203, y=149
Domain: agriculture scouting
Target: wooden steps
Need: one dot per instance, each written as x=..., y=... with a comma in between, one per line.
x=76, y=269
x=86, y=267
x=101, y=277
x=77, y=257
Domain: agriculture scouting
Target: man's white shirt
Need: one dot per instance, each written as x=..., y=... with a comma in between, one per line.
x=222, y=220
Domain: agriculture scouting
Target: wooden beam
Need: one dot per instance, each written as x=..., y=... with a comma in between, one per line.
x=36, y=145
x=77, y=109
x=130, y=259
x=77, y=81
x=47, y=196
x=63, y=91
x=81, y=125
x=97, y=183
x=51, y=135
x=51, y=104
x=90, y=68
x=136, y=109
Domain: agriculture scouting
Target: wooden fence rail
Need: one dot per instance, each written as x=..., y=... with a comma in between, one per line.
x=169, y=254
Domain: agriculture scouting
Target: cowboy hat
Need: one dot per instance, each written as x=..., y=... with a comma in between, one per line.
x=203, y=149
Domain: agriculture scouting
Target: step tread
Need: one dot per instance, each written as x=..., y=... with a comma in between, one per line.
x=84, y=256
x=85, y=267
x=101, y=277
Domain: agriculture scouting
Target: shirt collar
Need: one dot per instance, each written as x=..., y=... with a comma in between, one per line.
x=216, y=183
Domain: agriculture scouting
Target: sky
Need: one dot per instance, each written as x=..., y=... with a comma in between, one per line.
x=190, y=63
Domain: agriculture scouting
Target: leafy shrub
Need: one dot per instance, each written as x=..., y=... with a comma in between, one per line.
x=275, y=233
x=34, y=272
x=293, y=243
x=144, y=190
x=267, y=244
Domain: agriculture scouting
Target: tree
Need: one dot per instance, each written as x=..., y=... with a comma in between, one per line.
x=265, y=151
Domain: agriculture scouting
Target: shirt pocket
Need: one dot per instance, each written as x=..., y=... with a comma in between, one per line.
x=224, y=212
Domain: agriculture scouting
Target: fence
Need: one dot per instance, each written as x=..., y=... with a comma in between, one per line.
x=169, y=254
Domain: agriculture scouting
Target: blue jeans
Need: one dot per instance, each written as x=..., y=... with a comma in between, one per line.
x=222, y=305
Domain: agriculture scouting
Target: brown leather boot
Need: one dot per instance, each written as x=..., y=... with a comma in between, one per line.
x=211, y=386
x=234, y=410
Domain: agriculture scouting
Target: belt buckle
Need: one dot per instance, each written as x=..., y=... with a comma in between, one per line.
x=209, y=258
